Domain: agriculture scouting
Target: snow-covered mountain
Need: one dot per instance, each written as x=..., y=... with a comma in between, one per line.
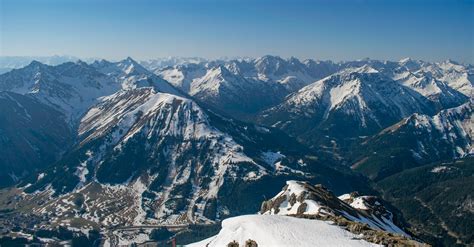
x=347, y=104
x=73, y=87
x=439, y=92
x=70, y=87
x=457, y=76
x=169, y=146
x=291, y=72
x=8, y=63
x=164, y=154
x=160, y=63
x=32, y=136
x=234, y=94
x=244, y=87
x=416, y=140
x=130, y=74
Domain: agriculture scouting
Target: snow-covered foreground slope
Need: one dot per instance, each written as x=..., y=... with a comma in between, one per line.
x=306, y=215
x=275, y=230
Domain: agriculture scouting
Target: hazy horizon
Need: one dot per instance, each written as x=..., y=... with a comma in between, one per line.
x=323, y=30
x=224, y=58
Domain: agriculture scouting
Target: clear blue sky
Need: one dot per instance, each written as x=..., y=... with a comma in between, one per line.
x=322, y=29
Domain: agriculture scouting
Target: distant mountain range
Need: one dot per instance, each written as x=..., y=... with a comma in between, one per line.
x=194, y=141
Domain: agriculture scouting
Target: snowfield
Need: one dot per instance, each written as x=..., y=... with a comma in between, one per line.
x=276, y=230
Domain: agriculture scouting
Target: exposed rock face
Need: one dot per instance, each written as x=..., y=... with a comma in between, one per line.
x=303, y=199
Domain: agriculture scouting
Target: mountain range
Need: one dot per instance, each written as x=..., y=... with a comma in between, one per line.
x=195, y=141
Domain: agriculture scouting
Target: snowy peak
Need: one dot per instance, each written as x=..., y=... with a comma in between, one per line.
x=173, y=152
x=36, y=64
x=218, y=72
x=341, y=87
x=434, y=89
x=453, y=126
x=303, y=200
x=70, y=87
x=410, y=64
x=160, y=63
x=445, y=121
x=405, y=60
x=212, y=81
x=363, y=95
x=131, y=67
x=182, y=76
x=418, y=140
x=451, y=65
x=73, y=87
x=244, y=87
x=133, y=111
x=270, y=65
x=130, y=75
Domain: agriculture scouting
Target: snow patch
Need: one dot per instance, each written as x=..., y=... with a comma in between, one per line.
x=275, y=230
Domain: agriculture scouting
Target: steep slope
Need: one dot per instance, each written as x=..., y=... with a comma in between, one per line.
x=32, y=135
x=166, y=160
x=345, y=105
x=416, y=140
x=436, y=200
x=182, y=76
x=234, y=94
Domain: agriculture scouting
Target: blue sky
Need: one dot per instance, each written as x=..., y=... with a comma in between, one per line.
x=322, y=29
